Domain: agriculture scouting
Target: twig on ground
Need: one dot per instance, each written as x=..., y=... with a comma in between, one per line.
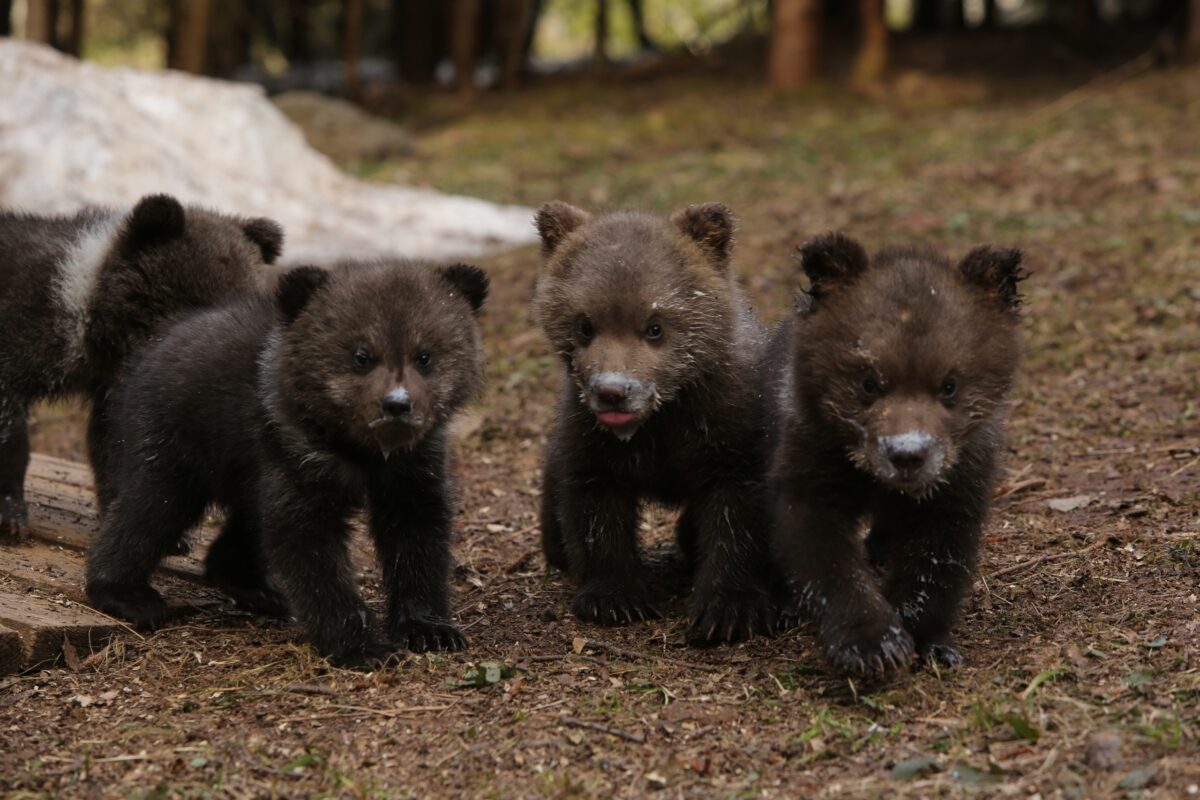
x=631, y=654
x=1033, y=562
x=571, y=722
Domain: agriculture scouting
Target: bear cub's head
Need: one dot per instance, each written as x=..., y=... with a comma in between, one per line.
x=378, y=354
x=639, y=307
x=166, y=258
x=906, y=357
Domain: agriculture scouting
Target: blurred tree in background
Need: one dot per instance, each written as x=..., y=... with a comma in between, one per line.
x=472, y=43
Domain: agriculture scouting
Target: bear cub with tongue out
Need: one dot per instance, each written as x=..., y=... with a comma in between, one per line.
x=658, y=403
x=889, y=390
x=291, y=413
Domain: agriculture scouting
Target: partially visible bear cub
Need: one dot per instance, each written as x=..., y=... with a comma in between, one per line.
x=291, y=413
x=890, y=388
x=658, y=403
x=79, y=293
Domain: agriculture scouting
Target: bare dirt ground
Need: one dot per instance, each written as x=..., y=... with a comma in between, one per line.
x=1082, y=633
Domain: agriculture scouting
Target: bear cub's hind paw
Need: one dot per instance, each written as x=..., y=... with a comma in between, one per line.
x=142, y=605
x=608, y=604
x=421, y=634
x=14, y=518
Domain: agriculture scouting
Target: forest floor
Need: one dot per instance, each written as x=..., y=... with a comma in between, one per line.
x=1083, y=630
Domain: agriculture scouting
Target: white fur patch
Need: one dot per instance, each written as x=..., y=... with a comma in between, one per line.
x=76, y=281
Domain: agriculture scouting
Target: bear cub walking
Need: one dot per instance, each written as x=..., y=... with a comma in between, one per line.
x=291, y=413
x=890, y=388
x=658, y=402
x=79, y=293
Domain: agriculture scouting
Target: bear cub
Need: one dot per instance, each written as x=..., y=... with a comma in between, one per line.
x=79, y=293
x=658, y=402
x=291, y=413
x=890, y=388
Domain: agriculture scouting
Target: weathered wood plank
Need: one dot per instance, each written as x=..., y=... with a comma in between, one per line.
x=46, y=566
x=12, y=653
x=42, y=626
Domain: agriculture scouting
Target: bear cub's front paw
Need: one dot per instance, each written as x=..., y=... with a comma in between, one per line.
x=421, y=634
x=729, y=616
x=614, y=604
x=871, y=646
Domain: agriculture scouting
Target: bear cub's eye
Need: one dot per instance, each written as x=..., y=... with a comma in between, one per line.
x=363, y=358
x=586, y=330
x=948, y=389
x=871, y=387
x=424, y=359
x=654, y=331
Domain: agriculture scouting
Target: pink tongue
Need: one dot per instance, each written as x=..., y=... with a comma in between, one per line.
x=615, y=418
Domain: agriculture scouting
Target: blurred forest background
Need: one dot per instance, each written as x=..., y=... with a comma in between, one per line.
x=365, y=48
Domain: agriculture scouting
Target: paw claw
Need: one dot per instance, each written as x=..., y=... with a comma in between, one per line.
x=613, y=605
x=874, y=649
x=421, y=635
x=730, y=616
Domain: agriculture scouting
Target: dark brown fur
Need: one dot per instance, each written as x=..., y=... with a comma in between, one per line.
x=291, y=414
x=890, y=388
x=658, y=403
x=130, y=271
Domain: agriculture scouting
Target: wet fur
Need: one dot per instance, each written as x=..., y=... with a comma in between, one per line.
x=697, y=443
x=262, y=407
x=79, y=293
x=906, y=318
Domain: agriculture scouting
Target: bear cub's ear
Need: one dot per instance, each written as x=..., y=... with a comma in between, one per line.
x=470, y=280
x=830, y=260
x=296, y=288
x=267, y=234
x=555, y=221
x=710, y=225
x=156, y=217
x=996, y=270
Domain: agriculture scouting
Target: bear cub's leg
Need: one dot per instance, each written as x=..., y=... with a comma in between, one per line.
x=929, y=561
x=411, y=529
x=599, y=527
x=236, y=564
x=144, y=524
x=14, y=460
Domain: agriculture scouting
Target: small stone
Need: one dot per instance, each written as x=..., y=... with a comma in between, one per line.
x=1103, y=750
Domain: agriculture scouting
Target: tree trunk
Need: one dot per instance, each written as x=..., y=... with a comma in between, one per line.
x=464, y=41
x=1082, y=22
x=190, y=36
x=297, y=42
x=41, y=21
x=352, y=24
x=510, y=40
x=422, y=34
x=600, y=51
x=871, y=63
x=795, y=35
x=71, y=40
x=1191, y=31
x=6, y=18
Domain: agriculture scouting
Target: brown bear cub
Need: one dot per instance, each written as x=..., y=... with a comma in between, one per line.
x=291, y=413
x=79, y=293
x=658, y=403
x=890, y=388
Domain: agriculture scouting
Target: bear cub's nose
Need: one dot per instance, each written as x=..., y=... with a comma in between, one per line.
x=397, y=403
x=610, y=390
x=908, y=452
